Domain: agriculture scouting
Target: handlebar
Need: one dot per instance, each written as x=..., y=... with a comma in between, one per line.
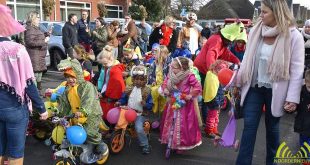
x=62, y=120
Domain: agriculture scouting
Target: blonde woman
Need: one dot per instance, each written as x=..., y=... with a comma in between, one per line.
x=110, y=82
x=36, y=44
x=271, y=75
x=165, y=34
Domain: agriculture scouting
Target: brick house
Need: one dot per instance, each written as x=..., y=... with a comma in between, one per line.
x=20, y=8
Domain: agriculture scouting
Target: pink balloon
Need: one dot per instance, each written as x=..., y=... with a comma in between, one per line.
x=130, y=115
x=113, y=115
x=155, y=124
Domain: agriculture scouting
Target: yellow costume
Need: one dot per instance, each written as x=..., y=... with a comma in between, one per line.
x=158, y=100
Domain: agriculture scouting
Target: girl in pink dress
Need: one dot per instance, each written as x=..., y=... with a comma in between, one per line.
x=180, y=125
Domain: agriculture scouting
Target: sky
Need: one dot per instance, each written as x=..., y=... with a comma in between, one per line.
x=302, y=2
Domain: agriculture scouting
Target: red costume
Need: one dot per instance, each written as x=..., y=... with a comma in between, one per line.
x=115, y=88
x=213, y=50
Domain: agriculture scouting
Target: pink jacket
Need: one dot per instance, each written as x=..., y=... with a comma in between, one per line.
x=286, y=90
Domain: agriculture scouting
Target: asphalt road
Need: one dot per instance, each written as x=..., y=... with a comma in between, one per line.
x=38, y=154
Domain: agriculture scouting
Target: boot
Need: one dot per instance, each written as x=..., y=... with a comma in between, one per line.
x=18, y=161
x=39, y=86
x=146, y=150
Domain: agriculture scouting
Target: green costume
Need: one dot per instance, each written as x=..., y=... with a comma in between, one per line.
x=89, y=101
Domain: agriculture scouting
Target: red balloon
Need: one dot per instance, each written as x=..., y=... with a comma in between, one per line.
x=225, y=76
x=130, y=115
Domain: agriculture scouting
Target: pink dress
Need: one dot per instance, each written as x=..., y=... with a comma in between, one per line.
x=186, y=134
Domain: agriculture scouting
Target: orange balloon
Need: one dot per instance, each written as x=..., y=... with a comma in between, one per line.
x=225, y=76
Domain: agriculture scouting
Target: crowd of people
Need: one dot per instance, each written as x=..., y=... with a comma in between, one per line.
x=145, y=71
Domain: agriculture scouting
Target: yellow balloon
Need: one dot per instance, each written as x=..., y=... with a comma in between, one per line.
x=58, y=134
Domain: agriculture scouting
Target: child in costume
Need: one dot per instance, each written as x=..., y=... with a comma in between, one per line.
x=138, y=97
x=183, y=121
x=84, y=58
x=156, y=74
x=302, y=122
x=130, y=59
x=110, y=83
x=238, y=48
x=213, y=95
x=81, y=98
x=183, y=51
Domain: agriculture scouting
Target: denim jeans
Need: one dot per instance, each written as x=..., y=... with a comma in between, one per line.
x=140, y=131
x=252, y=112
x=13, y=126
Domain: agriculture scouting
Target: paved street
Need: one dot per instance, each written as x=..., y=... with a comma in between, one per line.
x=39, y=154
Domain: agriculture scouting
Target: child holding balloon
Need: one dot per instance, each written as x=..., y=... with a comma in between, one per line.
x=138, y=97
x=213, y=95
x=180, y=127
x=81, y=98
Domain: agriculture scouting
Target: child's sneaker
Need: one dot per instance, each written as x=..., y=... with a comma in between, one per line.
x=146, y=150
x=211, y=135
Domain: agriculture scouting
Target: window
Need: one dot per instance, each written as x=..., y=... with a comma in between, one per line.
x=57, y=30
x=114, y=11
x=20, y=8
x=23, y=10
x=74, y=7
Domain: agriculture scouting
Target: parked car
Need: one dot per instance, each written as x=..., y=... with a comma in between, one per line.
x=55, y=47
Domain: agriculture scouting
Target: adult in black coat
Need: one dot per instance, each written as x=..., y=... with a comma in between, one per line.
x=69, y=35
x=165, y=34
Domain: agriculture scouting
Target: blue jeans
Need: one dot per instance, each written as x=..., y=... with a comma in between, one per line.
x=13, y=126
x=252, y=111
x=140, y=131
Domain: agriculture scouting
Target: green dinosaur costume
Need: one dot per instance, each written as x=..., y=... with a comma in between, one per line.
x=88, y=101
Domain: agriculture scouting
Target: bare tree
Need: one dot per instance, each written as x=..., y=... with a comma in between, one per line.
x=48, y=6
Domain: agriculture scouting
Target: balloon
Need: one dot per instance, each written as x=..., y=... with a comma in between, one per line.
x=225, y=76
x=155, y=124
x=76, y=135
x=61, y=90
x=113, y=115
x=58, y=134
x=53, y=97
x=130, y=115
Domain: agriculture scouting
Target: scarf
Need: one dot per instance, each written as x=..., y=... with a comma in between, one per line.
x=278, y=64
x=307, y=36
x=15, y=69
x=166, y=33
x=175, y=79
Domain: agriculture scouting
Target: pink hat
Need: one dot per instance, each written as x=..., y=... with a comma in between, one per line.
x=9, y=26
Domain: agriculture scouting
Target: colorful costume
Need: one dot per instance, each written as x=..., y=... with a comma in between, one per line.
x=239, y=51
x=186, y=134
x=156, y=76
x=83, y=98
x=213, y=96
x=138, y=97
x=111, y=85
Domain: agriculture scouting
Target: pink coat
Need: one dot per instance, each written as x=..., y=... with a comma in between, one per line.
x=286, y=90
